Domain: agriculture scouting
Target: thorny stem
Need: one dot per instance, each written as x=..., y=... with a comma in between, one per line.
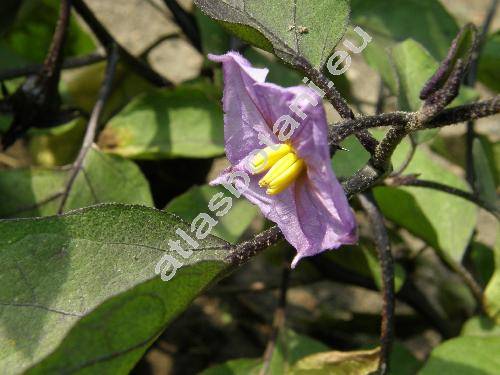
x=484, y=108
x=383, y=246
x=93, y=124
x=337, y=101
x=108, y=42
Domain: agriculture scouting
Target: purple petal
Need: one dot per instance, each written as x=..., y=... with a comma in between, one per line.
x=313, y=213
x=244, y=118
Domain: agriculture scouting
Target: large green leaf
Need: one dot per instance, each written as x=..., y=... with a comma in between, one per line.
x=444, y=221
x=30, y=36
x=290, y=28
x=181, y=122
x=79, y=292
x=392, y=21
x=465, y=356
x=489, y=73
x=231, y=225
x=37, y=191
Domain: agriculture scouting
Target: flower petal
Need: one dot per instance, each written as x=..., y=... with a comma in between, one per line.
x=313, y=213
x=244, y=119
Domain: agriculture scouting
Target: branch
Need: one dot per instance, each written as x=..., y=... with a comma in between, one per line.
x=186, y=22
x=39, y=93
x=93, y=124
x=51, y=69
x=69, y=63
x=411, y=180
x=383, y=245
x=450, y=116
x=248, y=249
x=108, y=42
x=337, y=101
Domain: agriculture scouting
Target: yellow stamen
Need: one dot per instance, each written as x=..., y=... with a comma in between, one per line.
x=278, y=168
x=281, y=182
x=268, y=156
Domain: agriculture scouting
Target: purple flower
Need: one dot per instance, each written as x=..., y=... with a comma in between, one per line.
x=291, y=179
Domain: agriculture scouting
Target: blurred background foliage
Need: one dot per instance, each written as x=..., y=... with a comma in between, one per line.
x=158, y=147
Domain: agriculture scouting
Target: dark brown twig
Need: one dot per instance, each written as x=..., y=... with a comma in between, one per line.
x=108, y=42
x=93, y=124
x=69, y=63
x=186, y=22
x=40, y=92
x=455, y=115
x=383, y=246
x=337, y=101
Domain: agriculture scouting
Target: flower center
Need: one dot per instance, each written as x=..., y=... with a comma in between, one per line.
x=283, y=164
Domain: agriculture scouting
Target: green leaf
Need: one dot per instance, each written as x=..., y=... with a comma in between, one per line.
x=30, y=36
x=402, y=361
x=362, y=362
x=37, y=191
x=443, y=221
x=392, y=21
x=465, y=356
x=492, y=291
x=362, y=260
x=290, y=348
x=81, y=88
x=289, y=28
x=181, y=122
x=480, y=326
x=485, y=180
x=346, y=163
x=242, y=366
x=488, y=72
x=214, y=38
x=414, y=66
x=79, y=292
x=231, y=225
x=57, y=146
x=483, y=260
